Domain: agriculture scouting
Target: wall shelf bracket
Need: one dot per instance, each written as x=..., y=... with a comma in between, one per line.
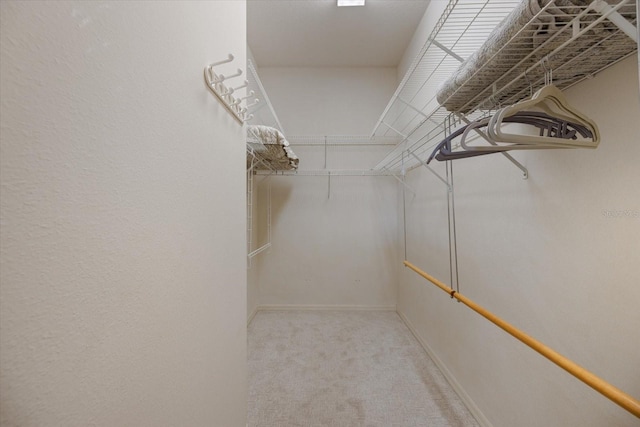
x=525, y=171
x=616, y=18
x=401, y=181
x=430, y=169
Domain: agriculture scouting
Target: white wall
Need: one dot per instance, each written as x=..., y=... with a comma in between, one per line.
x=552, y=255
x=332, y=101
x=253, y=293
x=337, y=250
x=427, y=23
x=123, y=299
x=253, y=296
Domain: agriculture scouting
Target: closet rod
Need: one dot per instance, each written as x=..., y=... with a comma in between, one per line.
x=616, y=395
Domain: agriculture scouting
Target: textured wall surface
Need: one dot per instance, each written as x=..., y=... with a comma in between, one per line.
x=336, y=249
x=123, y=299
x=253, y=293
x=425, y=27
x=555, y=255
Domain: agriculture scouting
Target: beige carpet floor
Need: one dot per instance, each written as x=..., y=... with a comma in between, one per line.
x=342, y=369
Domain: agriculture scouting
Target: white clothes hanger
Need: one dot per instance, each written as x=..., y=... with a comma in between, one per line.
x=558, y=142
x=552, y=101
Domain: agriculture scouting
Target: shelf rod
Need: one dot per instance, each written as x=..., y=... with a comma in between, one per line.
x=261, y=249
x=325, y=172
x=412, y=107
x=601, y=386
x=614, y=16
x=430, y=169
x=401, y=181
x=509, y=157
x=446, y=50
x=258, y=82
x=414, y=65
x=604, y=15
x=404, y=137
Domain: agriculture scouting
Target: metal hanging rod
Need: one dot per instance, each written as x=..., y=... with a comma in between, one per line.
x=601, y=386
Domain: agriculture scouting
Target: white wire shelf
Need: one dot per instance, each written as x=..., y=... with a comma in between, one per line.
x=262, y=109
x=331, y=172
x=261, y=113
x=571, y=52
x=355, y=140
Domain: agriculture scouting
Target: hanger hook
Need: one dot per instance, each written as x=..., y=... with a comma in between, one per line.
x=548, y=70
x=250, y=95
x=526, y=76
x=224, y=61
x=256, y=101
x=494, y=102
x=244, y=84
x=222, y=77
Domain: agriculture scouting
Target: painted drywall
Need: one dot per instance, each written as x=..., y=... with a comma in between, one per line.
x=253, y=279
x=316, y=101
x=556, y=255
x=123, y=267
x=423, y=31
x=332, y=244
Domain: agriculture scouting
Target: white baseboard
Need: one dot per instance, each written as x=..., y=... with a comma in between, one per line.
x=318, y=307
x=252, y=315
x=469, y=403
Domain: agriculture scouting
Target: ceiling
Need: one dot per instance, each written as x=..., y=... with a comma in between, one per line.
x=317, y=33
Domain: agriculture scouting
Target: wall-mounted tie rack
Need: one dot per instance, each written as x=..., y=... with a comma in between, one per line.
x=224, y=93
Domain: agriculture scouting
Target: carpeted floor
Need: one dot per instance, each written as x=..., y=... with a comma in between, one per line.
x=342, y=369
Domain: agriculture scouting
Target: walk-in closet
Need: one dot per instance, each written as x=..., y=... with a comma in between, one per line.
x=276, y=213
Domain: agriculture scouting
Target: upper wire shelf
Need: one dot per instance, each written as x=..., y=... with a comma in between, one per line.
x=329, y=172
x=334, y=140
x=570, y=53
x=260, y=107
x=262, y=112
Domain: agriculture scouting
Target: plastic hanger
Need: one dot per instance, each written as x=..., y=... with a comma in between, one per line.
x=546, y=98
x=560, y=131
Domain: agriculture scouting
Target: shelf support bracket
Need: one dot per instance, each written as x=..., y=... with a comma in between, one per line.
x=430, y=169
x=509, y=157
x=616, y=18
x=260, y=249
x=408, y=187
x=425, y=116
x=395, y=130
x=446, y=50
x=412, y=107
